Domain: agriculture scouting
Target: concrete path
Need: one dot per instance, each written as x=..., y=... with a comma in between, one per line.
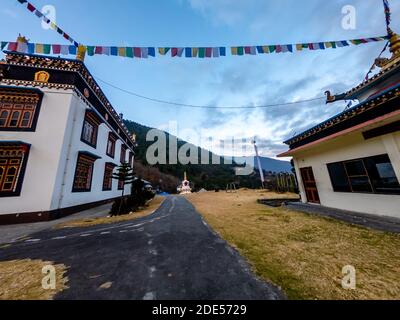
x=171, y=254
x=381, y=223
x=11, y=233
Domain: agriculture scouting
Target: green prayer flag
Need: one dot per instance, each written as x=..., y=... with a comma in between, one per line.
x=46, y=48
x=90, y=50
x=202, y=52
x=272, y=48
x=129, y=52
x=240, y=51
x=3, y=45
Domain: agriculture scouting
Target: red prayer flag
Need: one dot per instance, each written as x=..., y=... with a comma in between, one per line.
x=278, y=48
x=56, y=49
x=137, y=52
x=31, y=8
x=208, y=52
x=12, y=46
x=174, y=52
x=247, y=50
x=98, y=50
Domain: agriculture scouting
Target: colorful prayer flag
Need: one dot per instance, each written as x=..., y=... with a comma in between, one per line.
x=215, y=52
x=39, y=48
x=265, y=49
x=56, y=49
x=145, y=53
x=72, y=50
x=151, y=51
x=137, y=52
x=179, y=52
x=114, y=51
x=122, y=51
x=129, y=52
x=163, y=51
x=90, y=50
x=46, y=48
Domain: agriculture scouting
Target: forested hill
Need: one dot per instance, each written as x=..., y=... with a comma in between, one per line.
x=203, y=176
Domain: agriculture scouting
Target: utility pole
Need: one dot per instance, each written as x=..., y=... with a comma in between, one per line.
x=259, y=163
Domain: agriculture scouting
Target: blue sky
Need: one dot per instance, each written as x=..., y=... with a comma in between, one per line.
x=229, y=81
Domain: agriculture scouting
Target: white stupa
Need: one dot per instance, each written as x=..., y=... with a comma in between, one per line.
x=184, y=188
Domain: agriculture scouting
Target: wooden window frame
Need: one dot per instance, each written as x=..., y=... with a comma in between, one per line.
x=90, y=160
x=22, y=100
x=92, y=120
x=108, y=166
x=123, y=153
x=368, y=175
x=113, y=139
x=19, y=154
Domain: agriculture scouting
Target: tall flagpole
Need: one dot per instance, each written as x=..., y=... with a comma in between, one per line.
x=259, y=164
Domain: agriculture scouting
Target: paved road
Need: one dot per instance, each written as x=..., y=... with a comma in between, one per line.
x=11, y=233
x=171, y=254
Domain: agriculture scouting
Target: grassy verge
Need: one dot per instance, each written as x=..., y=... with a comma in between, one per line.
x=143, y=212
x=22, y=280
x=301, y=253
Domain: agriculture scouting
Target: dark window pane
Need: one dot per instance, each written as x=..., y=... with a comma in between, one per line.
x=360, y=184
x=355, y=168
x=14, y=119
x=382, y=174
x=340, y=182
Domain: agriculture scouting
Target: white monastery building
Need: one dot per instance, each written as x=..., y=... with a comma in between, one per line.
x=60, y=139
x=352, y=160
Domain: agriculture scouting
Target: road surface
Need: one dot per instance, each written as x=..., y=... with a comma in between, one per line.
x=172, y=254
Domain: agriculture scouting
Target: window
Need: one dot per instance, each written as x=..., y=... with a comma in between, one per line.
x=108, y=178
x=13, y=159
x=84, y=172
x=123, y=154
x=16, y=116
x=111, y=145
x=19, y=108
x=90, y=129
x=130, y=158
x=369, y=175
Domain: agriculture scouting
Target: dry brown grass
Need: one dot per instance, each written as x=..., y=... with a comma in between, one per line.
x=143, y=212
x=304, y=254
x=22, y=280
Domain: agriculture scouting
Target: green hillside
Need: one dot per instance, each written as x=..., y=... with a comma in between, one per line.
x=202, y=176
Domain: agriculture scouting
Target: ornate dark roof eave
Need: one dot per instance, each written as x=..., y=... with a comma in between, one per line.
x=360, y=108
x=354, y=93
x=64, y=64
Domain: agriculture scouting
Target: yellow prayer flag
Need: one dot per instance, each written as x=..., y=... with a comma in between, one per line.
x=328, y=44
x=265, y=49
x=299, y=47
x=122, y=52
x=195, y=52
x=234, y=51
x=39, y=48
x=53, y=26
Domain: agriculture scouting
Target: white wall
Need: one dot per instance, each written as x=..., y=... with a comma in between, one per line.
x=349, y=147
x=52, y=160
x=67, y=167
x=40, y=175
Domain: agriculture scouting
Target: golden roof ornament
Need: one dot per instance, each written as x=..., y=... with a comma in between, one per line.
x=22, y=39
